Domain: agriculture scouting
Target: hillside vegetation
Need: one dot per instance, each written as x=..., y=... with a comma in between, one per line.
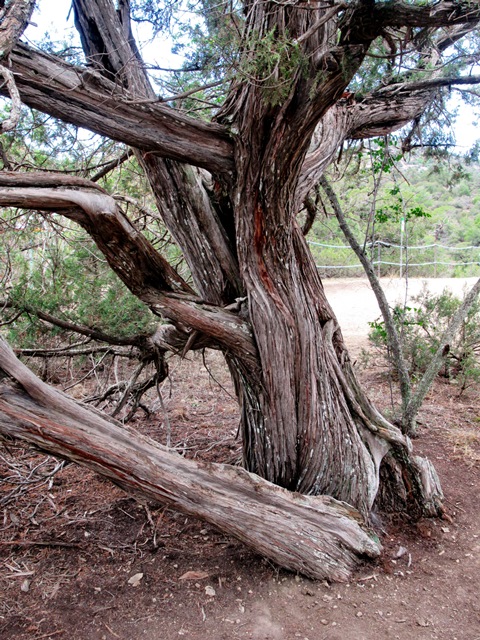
x=438, y=200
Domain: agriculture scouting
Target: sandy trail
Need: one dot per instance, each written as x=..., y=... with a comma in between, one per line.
x=355, y=304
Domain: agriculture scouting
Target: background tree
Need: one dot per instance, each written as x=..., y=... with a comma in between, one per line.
x=230, y=189
x=411, y=400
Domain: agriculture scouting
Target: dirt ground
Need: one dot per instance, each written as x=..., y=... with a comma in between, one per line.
x=355, y=304
x=81, y=560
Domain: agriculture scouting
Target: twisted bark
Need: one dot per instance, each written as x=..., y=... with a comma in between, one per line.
x=317, y=536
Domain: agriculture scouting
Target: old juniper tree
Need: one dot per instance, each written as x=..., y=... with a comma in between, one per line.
x=301, y=78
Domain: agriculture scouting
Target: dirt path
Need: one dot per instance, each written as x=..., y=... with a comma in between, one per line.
x=355, y=304
x=70, y=548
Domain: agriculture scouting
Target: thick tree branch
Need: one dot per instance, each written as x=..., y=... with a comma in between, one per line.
x=328, y=137
x=317, y=536
x=377, y=114
x=399, y=14
x=390, y=108
x=85, y=98
x=147, y=274
x=128, y=252
x=434, y=83
x=186, y=206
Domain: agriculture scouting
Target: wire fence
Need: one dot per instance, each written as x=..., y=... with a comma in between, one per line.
x=389, y=259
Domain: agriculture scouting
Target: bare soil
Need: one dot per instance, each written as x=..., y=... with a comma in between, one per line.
x=82, y=560
x=355, y=304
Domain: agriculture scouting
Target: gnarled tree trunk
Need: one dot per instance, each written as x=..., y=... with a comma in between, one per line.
x=306, y=423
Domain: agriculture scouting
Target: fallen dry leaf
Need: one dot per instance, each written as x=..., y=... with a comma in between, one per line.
x=194, y=575
x=135, y=579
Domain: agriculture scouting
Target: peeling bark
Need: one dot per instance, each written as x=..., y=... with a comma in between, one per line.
x=306, y=422
x=82, y=97
x=14, y=19
x=319, y=537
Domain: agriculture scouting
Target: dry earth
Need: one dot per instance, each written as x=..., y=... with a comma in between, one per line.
x=355, y=304
x=72, y=548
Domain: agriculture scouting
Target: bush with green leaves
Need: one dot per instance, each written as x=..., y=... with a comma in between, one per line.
x=421, y=327
x=67, y=278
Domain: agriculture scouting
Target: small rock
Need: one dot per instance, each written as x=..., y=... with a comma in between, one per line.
x=135, y=579
x=423, y=623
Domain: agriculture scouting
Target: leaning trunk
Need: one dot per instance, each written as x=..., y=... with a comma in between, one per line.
x=319, y=537
x=307, y=425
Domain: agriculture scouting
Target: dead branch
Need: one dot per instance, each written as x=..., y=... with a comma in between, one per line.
x=317, y=536
x=11, y=122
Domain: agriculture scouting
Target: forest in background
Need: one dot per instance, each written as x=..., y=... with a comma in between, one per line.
x=437, y=197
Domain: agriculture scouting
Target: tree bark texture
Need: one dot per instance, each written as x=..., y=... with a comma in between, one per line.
x=306, y=423
x=317, y=536
x=309, y=426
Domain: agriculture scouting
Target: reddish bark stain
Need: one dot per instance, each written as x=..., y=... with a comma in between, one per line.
x=263, y=274
x=259, y=235
x=259, y=244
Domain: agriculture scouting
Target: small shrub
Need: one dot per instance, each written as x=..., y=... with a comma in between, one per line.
x=421, y=328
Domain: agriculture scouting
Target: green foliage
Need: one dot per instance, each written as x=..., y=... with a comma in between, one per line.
x=395, y=211
x=68, y=279
x=274, y=62
x=437, y=200
x=382, y=155
x=421, y=328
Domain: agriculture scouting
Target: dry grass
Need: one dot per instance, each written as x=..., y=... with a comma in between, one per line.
x=466, y=443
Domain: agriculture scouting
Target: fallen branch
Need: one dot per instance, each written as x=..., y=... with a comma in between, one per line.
x=317, y=536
